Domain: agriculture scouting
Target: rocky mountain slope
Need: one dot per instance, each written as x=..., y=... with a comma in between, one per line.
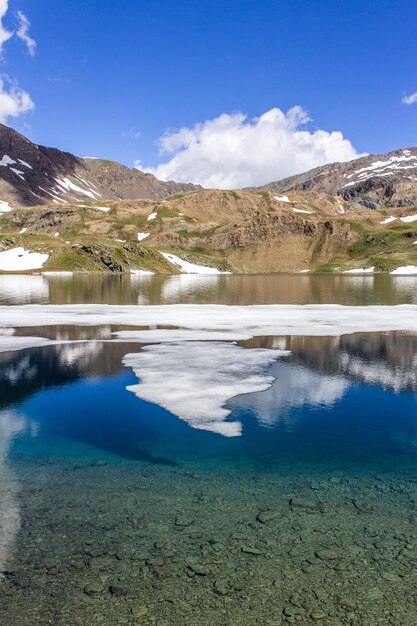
x=237, y=231
x=373, y=181
x=36, y=175
x=59, y=212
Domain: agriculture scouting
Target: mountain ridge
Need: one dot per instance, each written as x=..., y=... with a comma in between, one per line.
x=32, y=175
x=373, y=181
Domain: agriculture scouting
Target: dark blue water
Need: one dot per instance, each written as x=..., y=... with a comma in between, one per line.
x=365, y=425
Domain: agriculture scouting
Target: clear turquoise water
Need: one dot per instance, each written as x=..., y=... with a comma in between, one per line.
x=118, y=512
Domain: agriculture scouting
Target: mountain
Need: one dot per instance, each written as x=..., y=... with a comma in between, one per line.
x=373, y=181
x=35, y=175
x=59, y=212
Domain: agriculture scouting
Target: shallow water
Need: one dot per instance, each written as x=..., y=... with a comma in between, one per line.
x=200, y=289
x=115, y=511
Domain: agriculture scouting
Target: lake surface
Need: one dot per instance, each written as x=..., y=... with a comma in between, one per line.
x=298, y=507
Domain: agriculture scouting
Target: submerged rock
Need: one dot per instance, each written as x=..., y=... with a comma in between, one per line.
x=202, y=569
x=94, y=588
x=250, y=550
x=268, y=516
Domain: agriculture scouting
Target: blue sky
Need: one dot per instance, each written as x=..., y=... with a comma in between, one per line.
x=110, y=78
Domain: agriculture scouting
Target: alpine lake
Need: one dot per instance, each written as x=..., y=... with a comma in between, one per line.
x=190, y=501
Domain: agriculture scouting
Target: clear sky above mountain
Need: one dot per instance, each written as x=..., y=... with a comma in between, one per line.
x=215, y=79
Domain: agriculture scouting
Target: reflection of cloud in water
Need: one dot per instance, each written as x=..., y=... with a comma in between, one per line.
x=406, y=285
x=71, y=353
x=10, y=426
x=21, y=289
x=294, y=387
x=139, y=280
x=194, y=380
x=402, y=286
x=21, y=370
x=186, y=284
x=388, y=375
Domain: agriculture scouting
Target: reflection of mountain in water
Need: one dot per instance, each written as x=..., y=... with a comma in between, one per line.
x=386, y=359
x=234, y=289
x=26, y=372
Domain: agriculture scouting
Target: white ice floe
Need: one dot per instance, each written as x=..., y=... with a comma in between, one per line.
x=13, y=343
x=409, y=218
x=5, y=207
x=366, y=270
x=302, y=211
x=255, y=320
x=21, y=289
x=282, y=198
x=25, y=164
x=6, y=161
x=195, y=380
x=190, y=268
x=152, y=216
x=405, y=270
x=164, y=335
x=388, y=220
x=19, y=259
x=142, y=236
x=140, y=272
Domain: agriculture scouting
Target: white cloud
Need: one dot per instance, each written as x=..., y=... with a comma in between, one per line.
x=23, y=32
x=233, y=151
x=411, y=99
x=5, y=34
x=13, y=100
